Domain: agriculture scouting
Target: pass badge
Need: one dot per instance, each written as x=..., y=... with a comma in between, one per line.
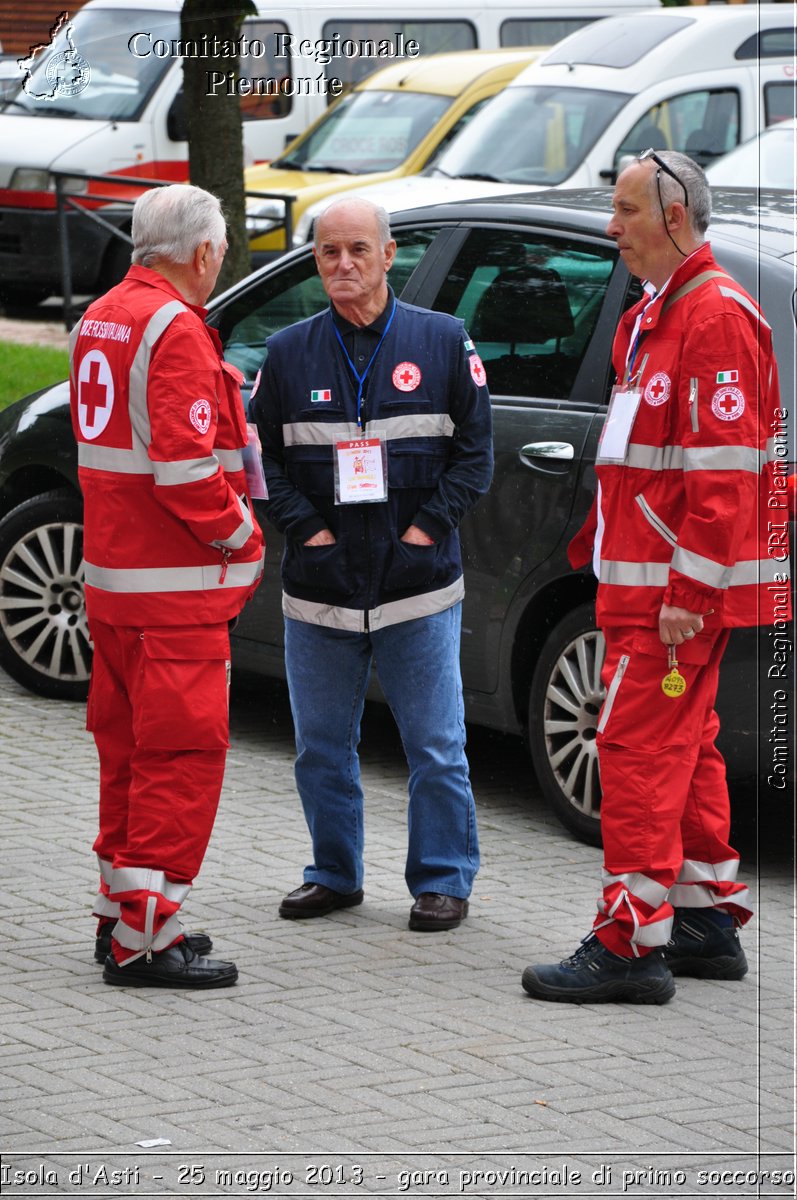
x=360, y=471
x=619, y=422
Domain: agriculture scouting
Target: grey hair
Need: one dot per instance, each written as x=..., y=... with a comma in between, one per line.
x=381, y=215
x=170, y=222
x=698, y=211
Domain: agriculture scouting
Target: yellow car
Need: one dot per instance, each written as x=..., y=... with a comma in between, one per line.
x=394, y=123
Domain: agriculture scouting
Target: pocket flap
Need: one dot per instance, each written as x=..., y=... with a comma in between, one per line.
x=194, y=644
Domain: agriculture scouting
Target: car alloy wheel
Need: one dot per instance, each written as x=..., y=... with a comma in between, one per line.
x=566, y=696
x=44, y=640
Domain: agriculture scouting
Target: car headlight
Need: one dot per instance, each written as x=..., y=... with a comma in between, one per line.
x=35, y=179
x=31, y=179
x=264, y=215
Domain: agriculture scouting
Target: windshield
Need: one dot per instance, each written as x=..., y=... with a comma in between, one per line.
x=97, y=69
x=530, y=135
x=368, y=131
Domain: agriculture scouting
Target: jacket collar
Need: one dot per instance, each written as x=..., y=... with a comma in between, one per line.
x=154, y=279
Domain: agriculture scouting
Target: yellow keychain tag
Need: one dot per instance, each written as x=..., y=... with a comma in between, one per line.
x=673, y=684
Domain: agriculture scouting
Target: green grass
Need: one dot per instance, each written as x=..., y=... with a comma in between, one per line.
x=25, y=369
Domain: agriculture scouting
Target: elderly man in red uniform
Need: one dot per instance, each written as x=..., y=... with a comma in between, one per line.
x=172, y=553
x=678, y=536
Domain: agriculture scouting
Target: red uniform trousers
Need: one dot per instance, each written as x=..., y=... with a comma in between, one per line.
x=158, y=709
x=665, y=813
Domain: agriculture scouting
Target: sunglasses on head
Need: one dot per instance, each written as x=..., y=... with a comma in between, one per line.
x=651, y=153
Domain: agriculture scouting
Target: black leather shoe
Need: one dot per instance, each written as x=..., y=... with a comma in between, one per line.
x=431, y=912
x=594, y=975
x=315, y=900
x=200, y=943
x=177, y=967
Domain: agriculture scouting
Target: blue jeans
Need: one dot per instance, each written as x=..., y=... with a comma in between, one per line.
x=417, y=663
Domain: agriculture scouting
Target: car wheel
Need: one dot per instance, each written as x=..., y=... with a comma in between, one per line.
x=44, y=639
x=565, y=699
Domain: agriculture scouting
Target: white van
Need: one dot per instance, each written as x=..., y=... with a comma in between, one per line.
x=106, y=98
x=698, y=80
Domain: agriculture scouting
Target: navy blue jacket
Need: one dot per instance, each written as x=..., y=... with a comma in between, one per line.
x=438, y=437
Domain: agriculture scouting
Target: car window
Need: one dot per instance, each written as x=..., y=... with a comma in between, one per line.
x=703, y=124
x=530, y=303
x=369, y=131
x=531, y=134
x=282, y=298
x=780, y=101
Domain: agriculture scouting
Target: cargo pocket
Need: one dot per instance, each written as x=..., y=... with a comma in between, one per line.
x=611, y=693
x=182, y=691
x=412, y=566
x=320, y=568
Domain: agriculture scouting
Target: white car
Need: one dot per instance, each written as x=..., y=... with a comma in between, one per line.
x=767, y=161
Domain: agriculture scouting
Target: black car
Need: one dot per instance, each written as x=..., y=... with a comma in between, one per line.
x=541, y=289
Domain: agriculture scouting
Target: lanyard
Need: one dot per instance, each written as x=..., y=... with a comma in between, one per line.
x=361, y=378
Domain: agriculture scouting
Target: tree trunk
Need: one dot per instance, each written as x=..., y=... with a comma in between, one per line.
x=215, y=138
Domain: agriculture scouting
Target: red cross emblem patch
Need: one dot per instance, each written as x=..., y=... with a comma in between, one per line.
x=199, y=416
x=477, y=371
x=95, y=394
x=658, y=388
x=406, y=376
x=727, y=403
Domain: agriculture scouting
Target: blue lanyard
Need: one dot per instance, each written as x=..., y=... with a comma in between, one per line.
x=361, y=378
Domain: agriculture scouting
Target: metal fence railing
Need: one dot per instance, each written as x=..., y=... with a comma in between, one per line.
x=70, y=199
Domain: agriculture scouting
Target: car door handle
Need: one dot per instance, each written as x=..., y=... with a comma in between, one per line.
x=559, y=450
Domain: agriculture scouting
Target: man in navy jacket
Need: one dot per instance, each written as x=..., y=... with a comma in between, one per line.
x=374, y=418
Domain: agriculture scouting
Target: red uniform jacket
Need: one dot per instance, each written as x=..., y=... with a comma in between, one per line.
x=692, y=513
x=170, y=537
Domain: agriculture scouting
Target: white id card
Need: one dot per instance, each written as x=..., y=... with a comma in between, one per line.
x=619, y=423
x=360, y=471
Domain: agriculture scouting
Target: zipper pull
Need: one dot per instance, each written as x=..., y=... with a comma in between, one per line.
x=225, y=558
x=149, y=954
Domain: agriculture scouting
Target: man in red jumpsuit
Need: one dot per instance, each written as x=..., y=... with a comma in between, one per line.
x=172, y=553
x=678, y=537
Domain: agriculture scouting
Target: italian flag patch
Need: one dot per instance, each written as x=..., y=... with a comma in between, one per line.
x=320, y=396
x=469, y=344
x=727, y=376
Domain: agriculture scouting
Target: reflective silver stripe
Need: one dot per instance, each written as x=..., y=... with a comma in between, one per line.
x=106, y=870
x=614, y=687
x=353, y=619
x=134, y=939
x=103, y=907
x=655, y=520
x=185, y=470
x=654, y=458
x=113, y=458
x=693, y=871
x=145, y=879
x=171, y=579
x=643, y=886
x=412, y=425
x=693, y=413
x=701, y=895
x=704, y=570
x=231, y=460
x=389, y=429
x=424, y=605
x=725, y=458
x=318, y=433
x=244, y=531
x=745, y=301
x=631, y=574
x=136, y=460
x=655, y=933
x=698, y=458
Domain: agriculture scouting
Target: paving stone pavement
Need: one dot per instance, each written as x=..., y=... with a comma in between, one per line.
x=351, y=1044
